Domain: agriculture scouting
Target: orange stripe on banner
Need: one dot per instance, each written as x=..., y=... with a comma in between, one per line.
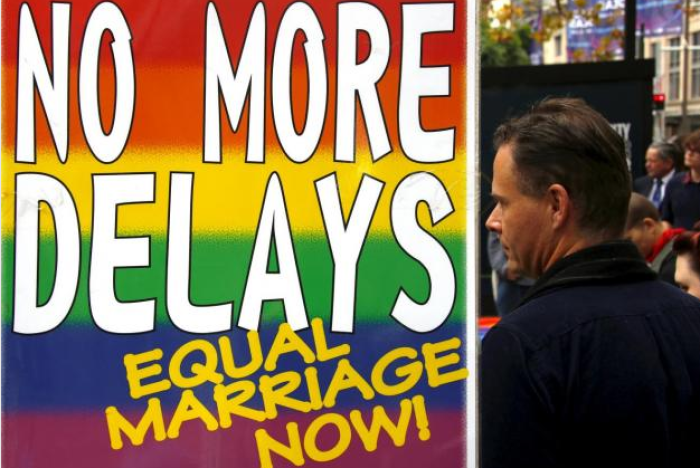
x=170, y=111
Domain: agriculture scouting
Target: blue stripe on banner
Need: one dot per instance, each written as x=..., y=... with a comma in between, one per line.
x=80, y=367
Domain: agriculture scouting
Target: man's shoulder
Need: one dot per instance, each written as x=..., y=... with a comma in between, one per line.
x=642, y=184
x=678, y=180
x=565, y=310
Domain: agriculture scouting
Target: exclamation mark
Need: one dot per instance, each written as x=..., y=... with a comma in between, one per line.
x=421, y=417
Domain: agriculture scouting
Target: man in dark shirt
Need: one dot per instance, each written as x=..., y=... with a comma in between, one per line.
x=681, y=205
x=600, y=364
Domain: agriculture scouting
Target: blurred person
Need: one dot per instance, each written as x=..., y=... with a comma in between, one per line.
x=600, y=364
x=681, y=203
x=659, y=162
x=511, y=285
x=687, y=247
x=654, y=241
x=679, y=141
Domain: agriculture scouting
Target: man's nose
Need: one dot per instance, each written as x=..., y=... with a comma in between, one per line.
x=493, y=223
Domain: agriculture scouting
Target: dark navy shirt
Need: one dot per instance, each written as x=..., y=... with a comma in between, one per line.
x=599, y=367
x=681, y=205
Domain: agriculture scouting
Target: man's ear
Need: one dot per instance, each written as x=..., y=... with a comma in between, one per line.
x=559, y=205
x=649, y=223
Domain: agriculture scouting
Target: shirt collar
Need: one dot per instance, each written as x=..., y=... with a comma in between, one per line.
x=668, y=176
x=687, y=179
x=616, y=261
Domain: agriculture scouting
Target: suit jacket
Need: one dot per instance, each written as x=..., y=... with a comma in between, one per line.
x=643, y=185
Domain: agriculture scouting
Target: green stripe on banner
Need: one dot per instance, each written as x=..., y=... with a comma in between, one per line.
x=220, y=265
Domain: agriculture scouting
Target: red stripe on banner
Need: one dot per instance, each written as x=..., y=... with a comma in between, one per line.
x=163, y=33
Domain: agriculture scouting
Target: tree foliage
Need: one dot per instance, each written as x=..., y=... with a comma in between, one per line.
x=505, y=41
x=498, y=49
x=508, y=28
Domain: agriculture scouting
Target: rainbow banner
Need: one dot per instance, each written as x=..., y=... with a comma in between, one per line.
x=233, y=234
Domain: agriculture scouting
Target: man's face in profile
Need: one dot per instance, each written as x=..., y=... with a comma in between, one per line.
x=655, y=166
x=692, y=158
x=520, y=220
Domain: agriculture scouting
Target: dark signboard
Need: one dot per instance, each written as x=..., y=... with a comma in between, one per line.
x=621, y=91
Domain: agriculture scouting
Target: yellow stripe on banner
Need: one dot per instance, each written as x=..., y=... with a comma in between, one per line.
x=228, y=197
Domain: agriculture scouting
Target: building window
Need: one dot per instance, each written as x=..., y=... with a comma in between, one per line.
x=557, y=45
x=674, y=72
x=675, y=56
x=658, y=57
x=674, y=86
x=695, y=67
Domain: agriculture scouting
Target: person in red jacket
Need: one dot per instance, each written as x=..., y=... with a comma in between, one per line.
x=647, y=231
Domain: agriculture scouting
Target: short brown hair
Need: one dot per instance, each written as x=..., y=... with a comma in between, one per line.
x=564, y=141
x=692, y=141
x=639, y=209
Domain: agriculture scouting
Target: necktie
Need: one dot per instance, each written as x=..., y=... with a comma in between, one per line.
x=656, y=193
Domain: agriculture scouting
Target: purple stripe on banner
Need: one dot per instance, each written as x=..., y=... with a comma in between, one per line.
x=75, y=440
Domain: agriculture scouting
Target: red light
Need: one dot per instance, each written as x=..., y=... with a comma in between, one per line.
x=660, y=98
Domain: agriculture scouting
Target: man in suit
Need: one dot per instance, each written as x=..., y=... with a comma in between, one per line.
x=659, y=163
